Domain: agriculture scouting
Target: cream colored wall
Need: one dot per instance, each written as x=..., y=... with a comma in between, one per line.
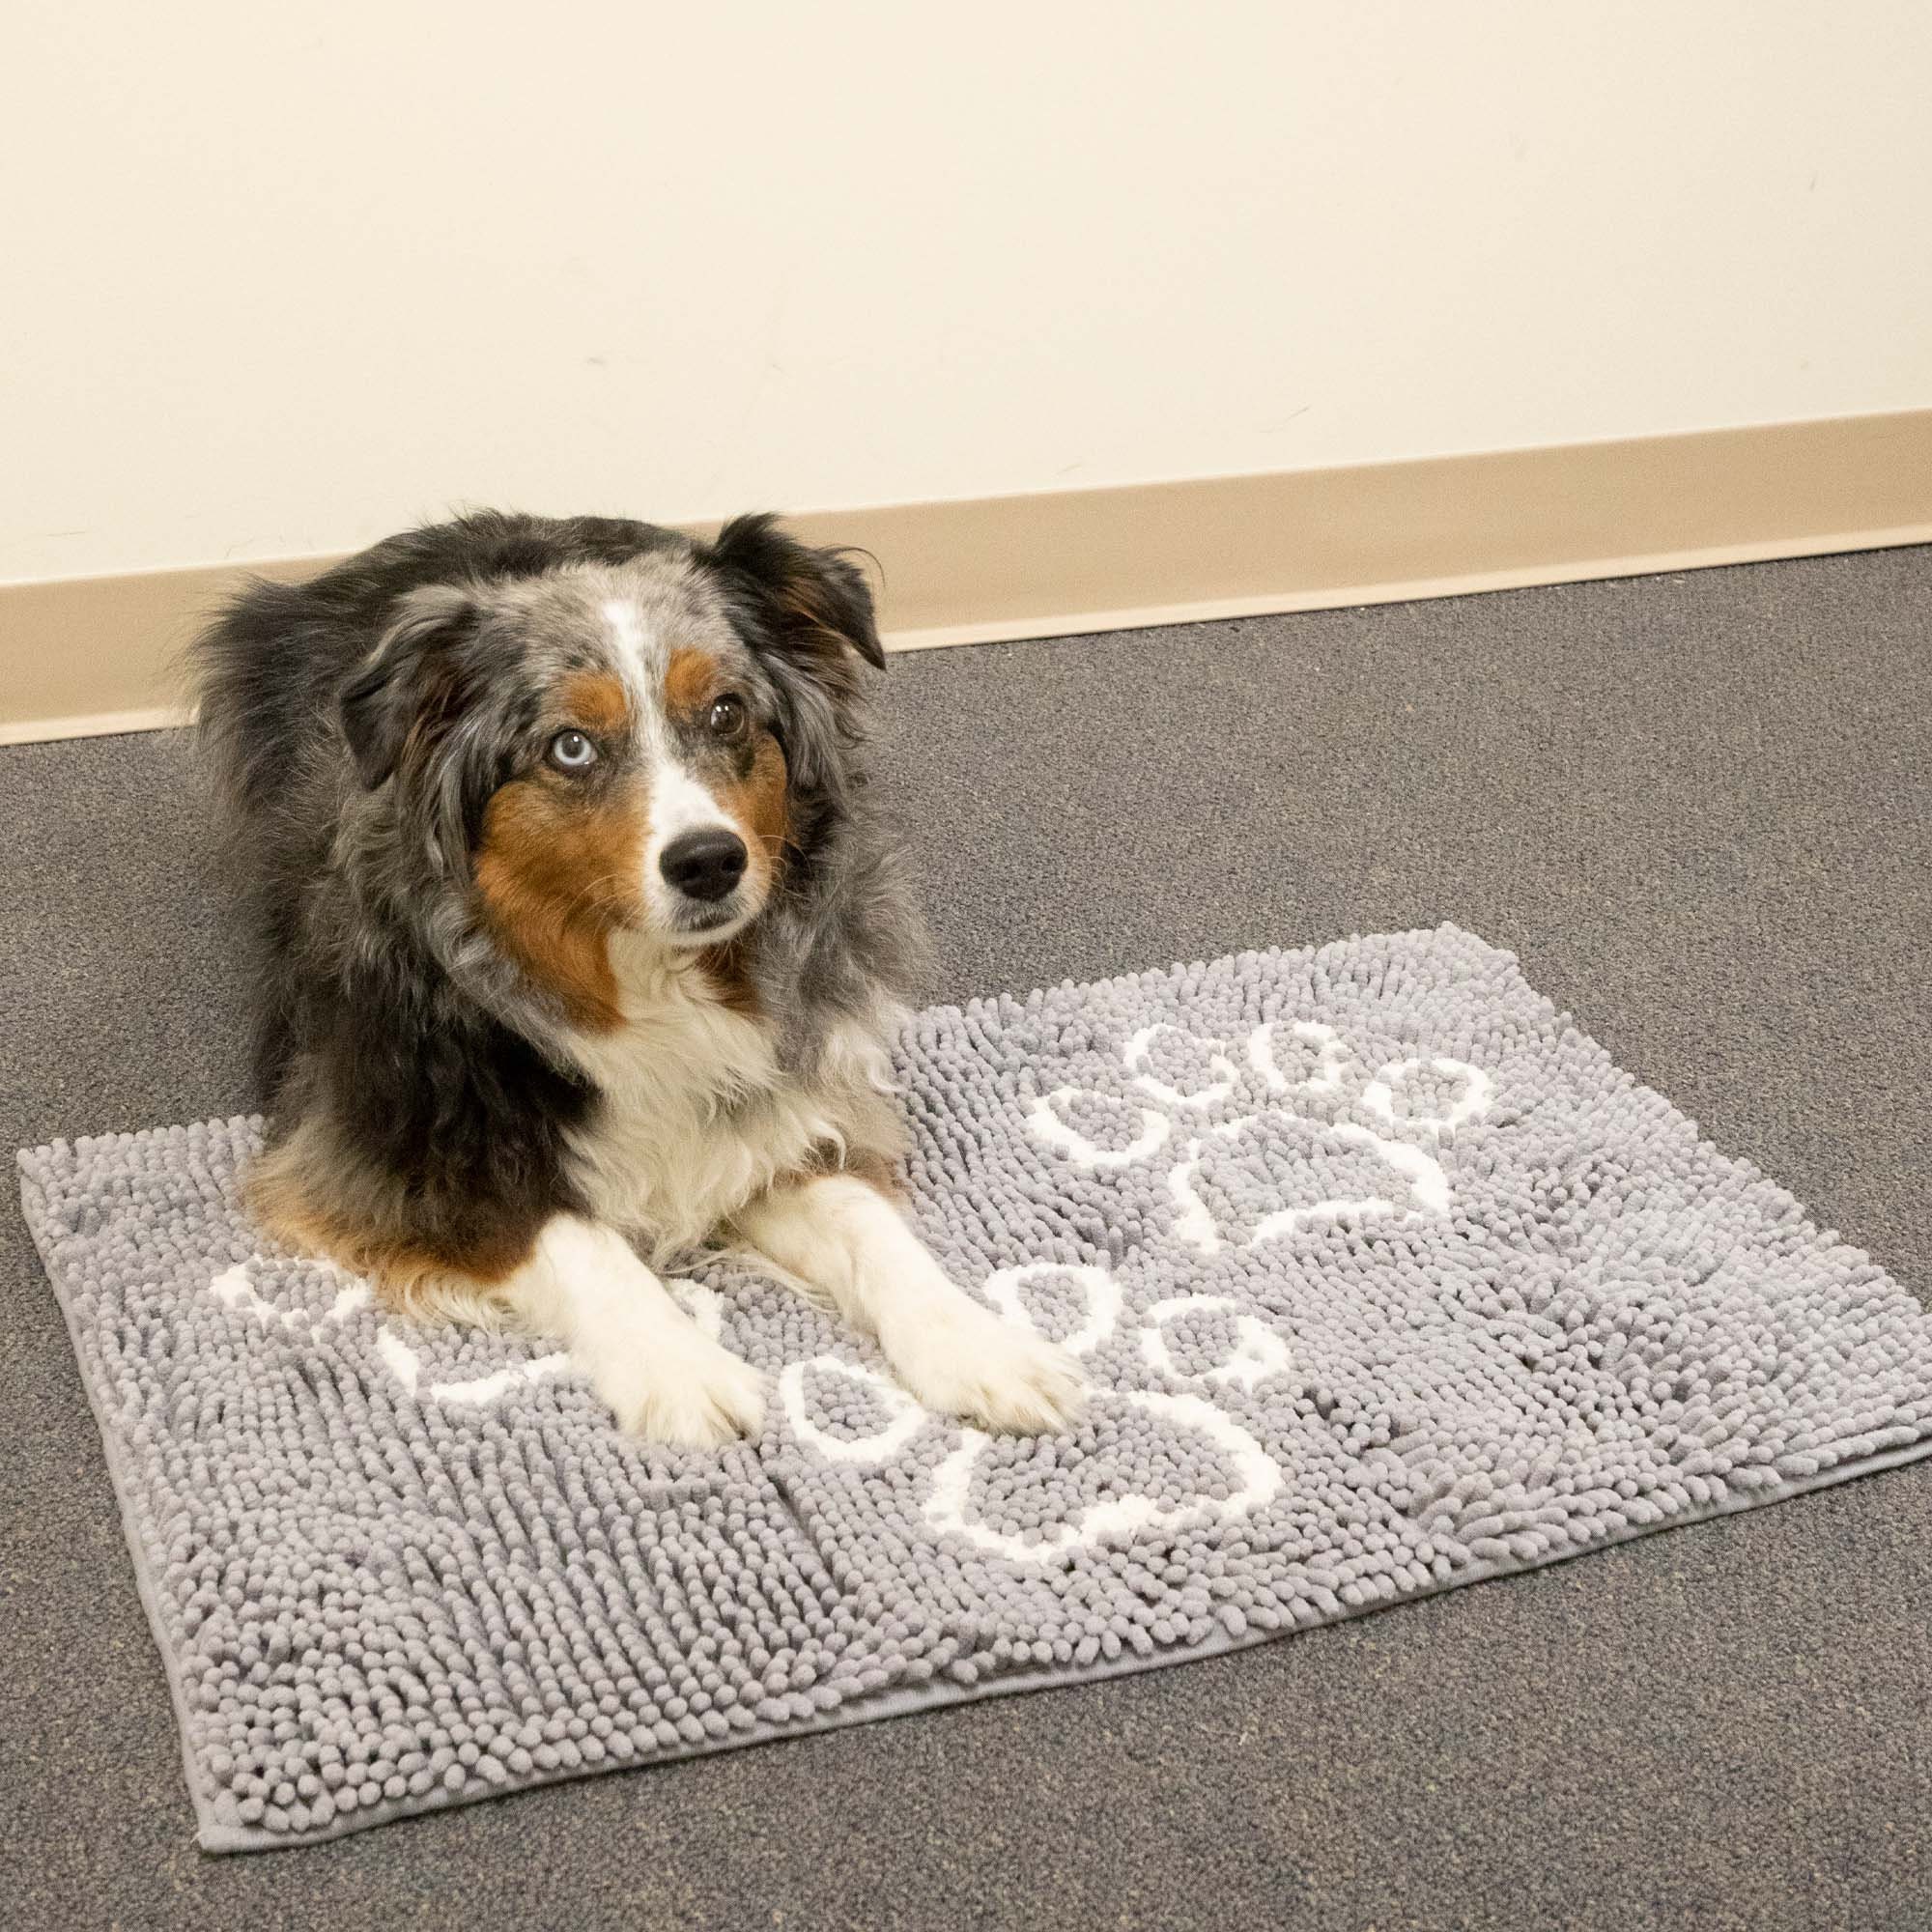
x=280, y=279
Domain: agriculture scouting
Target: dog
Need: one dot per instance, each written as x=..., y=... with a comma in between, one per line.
x=578, y=946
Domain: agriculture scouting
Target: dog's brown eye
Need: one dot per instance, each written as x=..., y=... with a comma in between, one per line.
x=728, y=715
x=572, y=752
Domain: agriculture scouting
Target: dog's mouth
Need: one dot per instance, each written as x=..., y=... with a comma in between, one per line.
x=705, y=924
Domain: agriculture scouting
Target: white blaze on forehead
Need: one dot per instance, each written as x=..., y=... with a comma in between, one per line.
x=627, y=635
x=680, y=802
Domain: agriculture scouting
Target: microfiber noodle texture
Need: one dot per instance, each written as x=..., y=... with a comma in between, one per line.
x=1384, y=1277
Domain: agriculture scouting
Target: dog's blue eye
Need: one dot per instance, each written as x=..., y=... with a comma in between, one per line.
x=572, y=752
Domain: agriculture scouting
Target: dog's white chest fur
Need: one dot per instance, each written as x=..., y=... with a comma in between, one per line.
x=696, y=1119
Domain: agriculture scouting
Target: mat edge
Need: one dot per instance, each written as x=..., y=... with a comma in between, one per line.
x=227, y=1839
x=33, y=1211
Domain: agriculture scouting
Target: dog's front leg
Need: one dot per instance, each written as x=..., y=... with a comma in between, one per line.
x=845, y=1238
x=665, y=1379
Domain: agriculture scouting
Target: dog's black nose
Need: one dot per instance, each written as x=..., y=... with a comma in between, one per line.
x=704, y=865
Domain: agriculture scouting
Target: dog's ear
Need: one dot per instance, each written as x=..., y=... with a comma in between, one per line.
x=396, y=681
x=814, y=606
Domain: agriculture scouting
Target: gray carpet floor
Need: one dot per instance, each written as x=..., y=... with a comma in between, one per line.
x=1697, y=807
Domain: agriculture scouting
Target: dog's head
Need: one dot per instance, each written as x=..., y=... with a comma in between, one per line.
x=639, y=747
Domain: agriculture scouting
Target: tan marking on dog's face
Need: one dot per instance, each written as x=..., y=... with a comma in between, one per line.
x=595, y=701
x=558, y=868
x=756, y=801
x=691, y=681
x=748, y=778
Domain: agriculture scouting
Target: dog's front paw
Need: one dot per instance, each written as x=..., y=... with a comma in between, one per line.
x=963, y=1360
x=693, y=1397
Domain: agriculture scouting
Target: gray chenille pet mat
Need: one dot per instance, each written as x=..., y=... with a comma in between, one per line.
x=1385, y=1278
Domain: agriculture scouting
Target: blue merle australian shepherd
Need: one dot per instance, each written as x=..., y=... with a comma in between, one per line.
x=579, y=948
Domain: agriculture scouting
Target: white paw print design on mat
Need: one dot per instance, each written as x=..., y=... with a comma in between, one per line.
x=1118, y=1518
x=1176, y=1089
x=1391, y=1147
x=236, y=1288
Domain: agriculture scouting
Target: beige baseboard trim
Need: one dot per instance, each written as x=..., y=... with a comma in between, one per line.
x=90, y=655
x=95, y=724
